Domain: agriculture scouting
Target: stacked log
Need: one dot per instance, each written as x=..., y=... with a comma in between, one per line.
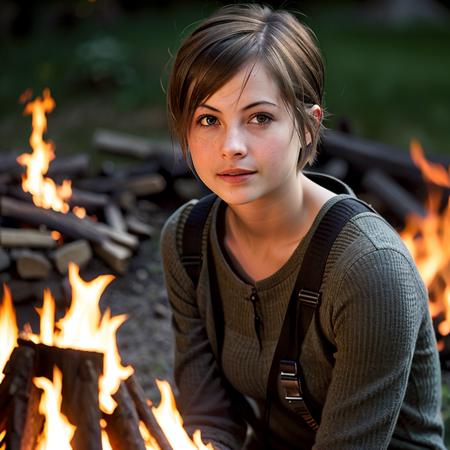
x=19, y=401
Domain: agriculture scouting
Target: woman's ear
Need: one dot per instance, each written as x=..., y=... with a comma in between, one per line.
x=317, y=113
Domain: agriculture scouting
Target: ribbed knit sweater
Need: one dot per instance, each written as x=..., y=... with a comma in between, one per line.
x=369, y=357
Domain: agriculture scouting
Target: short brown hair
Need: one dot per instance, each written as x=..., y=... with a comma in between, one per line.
x=234, y=36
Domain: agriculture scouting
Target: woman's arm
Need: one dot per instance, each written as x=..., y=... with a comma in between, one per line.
x=380, y=314
x=203, y=400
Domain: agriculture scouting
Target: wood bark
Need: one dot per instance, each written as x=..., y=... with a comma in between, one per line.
x=67, y=224
x=145, y=413
x=122, y=425
x=397, y=199
x=14, y=238
x=363, y=153
x=15, y=394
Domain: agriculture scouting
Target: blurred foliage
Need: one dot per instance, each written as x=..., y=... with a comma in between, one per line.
x=105, y=70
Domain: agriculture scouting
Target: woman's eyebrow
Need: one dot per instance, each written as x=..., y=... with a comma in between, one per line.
x=249, y=106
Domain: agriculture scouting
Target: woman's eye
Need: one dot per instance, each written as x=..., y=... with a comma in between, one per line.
x=207, y=121
x=261, y=119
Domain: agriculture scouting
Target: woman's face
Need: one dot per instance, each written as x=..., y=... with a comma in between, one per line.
x=243, y=142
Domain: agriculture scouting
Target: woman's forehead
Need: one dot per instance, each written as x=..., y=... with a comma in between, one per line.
x=252, y=83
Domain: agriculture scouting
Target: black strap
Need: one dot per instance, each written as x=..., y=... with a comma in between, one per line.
x=305, y=298
x=191, y=256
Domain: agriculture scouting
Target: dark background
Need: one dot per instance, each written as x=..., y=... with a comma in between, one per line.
x=387, y=66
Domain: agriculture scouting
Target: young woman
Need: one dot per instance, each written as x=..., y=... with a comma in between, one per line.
x=244, y=100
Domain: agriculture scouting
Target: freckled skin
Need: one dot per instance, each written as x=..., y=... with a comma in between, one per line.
x=260, y=138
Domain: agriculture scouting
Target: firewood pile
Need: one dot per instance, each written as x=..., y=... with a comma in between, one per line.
x=37, y=244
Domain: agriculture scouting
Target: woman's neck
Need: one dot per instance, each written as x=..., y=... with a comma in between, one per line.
x=280, y=217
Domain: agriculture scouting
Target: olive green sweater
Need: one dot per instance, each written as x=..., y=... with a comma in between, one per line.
x=369, y=358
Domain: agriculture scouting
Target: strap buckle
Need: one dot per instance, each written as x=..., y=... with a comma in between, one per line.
x=191, y=260
x=309, y=298
x=290, y=380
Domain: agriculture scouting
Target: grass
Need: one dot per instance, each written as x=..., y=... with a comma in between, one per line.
x=389, y=84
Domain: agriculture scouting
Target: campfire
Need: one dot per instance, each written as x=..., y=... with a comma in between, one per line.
x=66, y=387
x=50, y=224
x=428, y=240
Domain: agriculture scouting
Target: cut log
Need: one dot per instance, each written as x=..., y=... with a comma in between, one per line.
x=146, y=184
x=8, y=162
x=145, y=413
x=5, y=260
x=28, y=291
x=398, y=200
x=78, y=252
x=87, y=199
x=127, y=144
x=67, y=224
x=14, y=237
x=5, y=178
x=363, y=153
x=86, y=418
x=122, y=425
x=336, y=167
x=120, y=237
x=31, y=265
x=33, y=420
x=114, y=217
x=115, y=255
x=138, y=227
x=69, y=166
x=15, y=392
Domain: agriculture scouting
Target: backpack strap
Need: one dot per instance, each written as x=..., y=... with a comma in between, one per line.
x=191, y=256
x=303, y=303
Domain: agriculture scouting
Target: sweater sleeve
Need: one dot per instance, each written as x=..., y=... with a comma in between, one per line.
x=380, y=305
x=203, y=400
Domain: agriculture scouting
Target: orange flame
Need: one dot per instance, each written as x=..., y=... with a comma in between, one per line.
x=2, y=435
x=58, y=431
x=8, y=329
x=428, y=240
x=84, y=327
x=45, y=192
x=171, y=423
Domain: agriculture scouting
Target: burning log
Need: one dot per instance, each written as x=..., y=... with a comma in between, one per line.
x=145, y=413
x=122, y=425
x=15, y=396
x=81, y=371
x=67, y=224
x=14, y=238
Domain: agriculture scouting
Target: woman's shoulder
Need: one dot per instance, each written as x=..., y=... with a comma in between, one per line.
x=369, y=253
x=171, y=233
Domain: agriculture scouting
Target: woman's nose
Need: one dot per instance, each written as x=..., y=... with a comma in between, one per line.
x=234, y=145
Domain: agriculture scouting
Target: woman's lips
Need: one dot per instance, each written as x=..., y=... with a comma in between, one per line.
x=235, y=176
